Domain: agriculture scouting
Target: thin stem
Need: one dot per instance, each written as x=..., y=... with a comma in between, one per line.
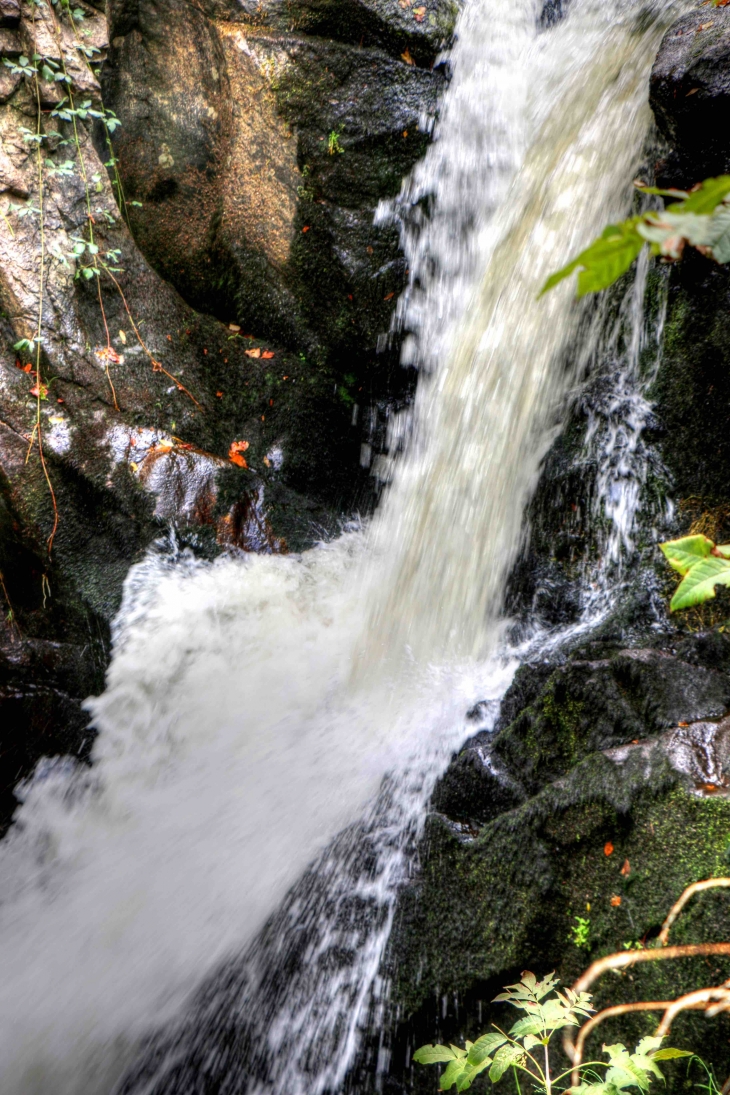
x=39, y=332
x=156, y=366
x=517, y=1080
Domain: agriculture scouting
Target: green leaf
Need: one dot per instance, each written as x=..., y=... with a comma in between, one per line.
x=431, y=1055
x=605, y=260
x=504, y=1059
x=452, y=1072
x=662, y=193
x=720, y=234
x=484, y=1047
x=527, y=1026
x=670, y=1053
x=707, y=197
x=683, y=554
x=468, y=1075
x=699, y=584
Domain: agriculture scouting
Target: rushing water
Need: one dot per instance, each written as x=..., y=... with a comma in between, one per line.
x=272, y=726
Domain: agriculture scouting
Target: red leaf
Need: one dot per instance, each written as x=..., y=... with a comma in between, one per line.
x=608, y=848
x=267, y=354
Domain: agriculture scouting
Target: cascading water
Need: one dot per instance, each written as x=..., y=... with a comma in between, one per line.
x=257, y=708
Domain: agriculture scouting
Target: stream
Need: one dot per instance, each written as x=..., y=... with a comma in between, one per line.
x=206, y=907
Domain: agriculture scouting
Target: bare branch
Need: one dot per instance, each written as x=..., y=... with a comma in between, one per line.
x=631, y=958
x=696, y=887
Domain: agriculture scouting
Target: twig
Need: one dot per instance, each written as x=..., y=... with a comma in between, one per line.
x=156, y=366
x=631, y=958
x=696, y=887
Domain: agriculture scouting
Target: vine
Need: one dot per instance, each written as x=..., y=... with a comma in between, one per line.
x=91, y=262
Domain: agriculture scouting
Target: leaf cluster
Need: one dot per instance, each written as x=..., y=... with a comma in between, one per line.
x=547, y=1010
x=702, y=564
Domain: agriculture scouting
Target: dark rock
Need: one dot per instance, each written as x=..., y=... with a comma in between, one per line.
x=690, y=96
x=9, y=13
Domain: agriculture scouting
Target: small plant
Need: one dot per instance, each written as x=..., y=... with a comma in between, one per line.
x=526, y=1047
x=333, y=142
x=702, y=564
x=580, y=931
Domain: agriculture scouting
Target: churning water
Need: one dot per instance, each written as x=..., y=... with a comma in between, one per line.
x=272, y=726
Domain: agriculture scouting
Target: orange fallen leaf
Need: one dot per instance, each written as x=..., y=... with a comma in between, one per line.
x=267, y=462
x=608, y=848
x=235, y=453
x=696, y=89
x=253, y=353
x=109, y=354
x=60, y=401
x=161, y=449
x=626, y=869
x=40, y=391
x=682, y=724
x=27, y=368
x=405, y=132
x=169, y=338
x=205, y=351
x=219, y=395
x=419, y=14
x=406, y=56
x=271, y=402
x=388, y=296
x=268, y=354
x=306, y=228
x=615, y=901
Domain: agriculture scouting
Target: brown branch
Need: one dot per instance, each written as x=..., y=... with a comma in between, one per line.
x=712, y=1001
x=156, y=366
x=631, y=958
x=696, y=887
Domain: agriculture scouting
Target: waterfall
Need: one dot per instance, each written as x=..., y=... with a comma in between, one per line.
x=272, y=727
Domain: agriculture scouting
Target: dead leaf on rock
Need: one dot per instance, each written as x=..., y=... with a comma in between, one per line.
x=107, y=353
x=626, y=869
x=406, y=56
x=235, y=453
x=268, y=354
x=615, y=901
x=253, y=353
x=419, y=14
x=608, y=848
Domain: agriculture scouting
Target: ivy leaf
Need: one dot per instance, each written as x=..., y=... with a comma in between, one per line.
x=484, y=1047
x=431, y=1055
x=605, y=260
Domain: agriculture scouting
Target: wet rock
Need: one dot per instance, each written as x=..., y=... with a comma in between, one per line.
x=690, y=96
x=9, y=13
x=137, y=404
x=258, y=190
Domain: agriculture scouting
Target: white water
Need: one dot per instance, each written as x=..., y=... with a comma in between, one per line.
x=253, y=707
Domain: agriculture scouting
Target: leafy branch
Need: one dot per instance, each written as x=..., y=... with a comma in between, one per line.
x=529, y=1039
x=699, y=218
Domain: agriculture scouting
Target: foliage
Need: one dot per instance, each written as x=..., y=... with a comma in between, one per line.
x=702, y=564
x=580, y=931
x=544, y=1015
x=699, y=218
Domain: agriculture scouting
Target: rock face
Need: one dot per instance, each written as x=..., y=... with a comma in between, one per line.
x=122, y=423
x=690, y=96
